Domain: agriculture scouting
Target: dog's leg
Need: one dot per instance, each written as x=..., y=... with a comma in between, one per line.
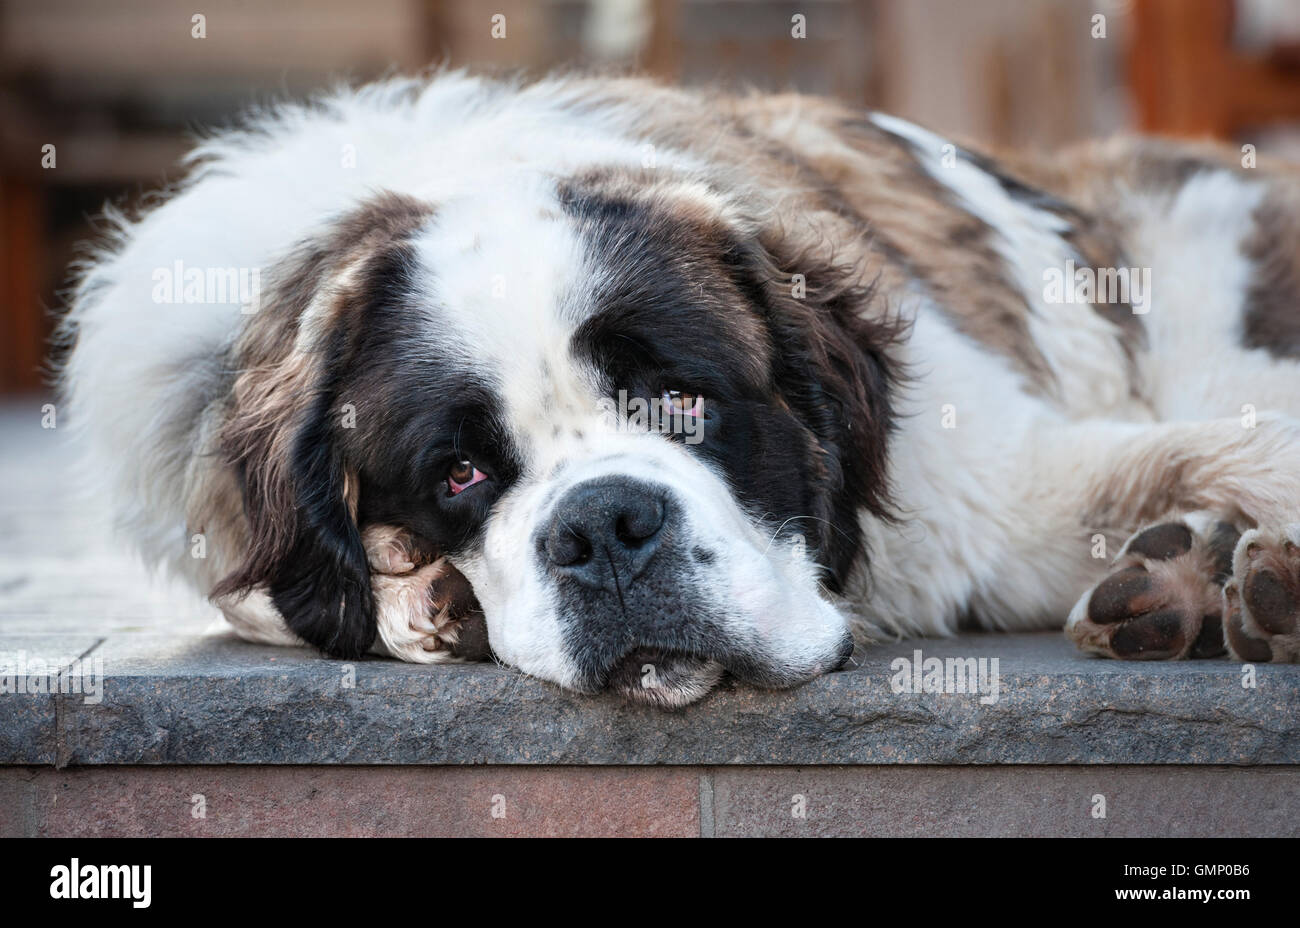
x=1199, y=583
x=253, y=617
x=425, y=608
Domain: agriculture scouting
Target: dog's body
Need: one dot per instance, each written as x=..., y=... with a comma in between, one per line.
x=927, y=393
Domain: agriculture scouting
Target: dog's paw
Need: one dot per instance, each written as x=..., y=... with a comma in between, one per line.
x=1262, y=599
x=423, y=614
x=1163, y=598
x=392, y=550
x=424, y=607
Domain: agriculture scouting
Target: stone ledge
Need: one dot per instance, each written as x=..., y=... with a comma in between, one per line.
x=216, y=700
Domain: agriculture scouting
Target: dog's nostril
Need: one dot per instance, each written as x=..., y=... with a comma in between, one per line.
x=634, y=528
x=581, y=553
x=567, y=548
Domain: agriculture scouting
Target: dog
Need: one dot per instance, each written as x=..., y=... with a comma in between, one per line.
x=633, y=387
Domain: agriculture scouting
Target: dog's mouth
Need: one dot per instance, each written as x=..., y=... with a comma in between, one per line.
x=663, y=677
x=672, y=678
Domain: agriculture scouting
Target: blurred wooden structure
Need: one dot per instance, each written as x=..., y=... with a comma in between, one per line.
x=1189, y=78
x=117, y=87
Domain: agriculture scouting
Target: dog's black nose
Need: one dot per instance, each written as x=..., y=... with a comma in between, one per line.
x=604, y=532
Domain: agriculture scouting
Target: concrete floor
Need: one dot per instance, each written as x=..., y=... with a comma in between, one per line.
x=61, y=570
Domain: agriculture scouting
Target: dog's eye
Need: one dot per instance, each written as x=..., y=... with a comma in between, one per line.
x=687, y=404
x=463, y=475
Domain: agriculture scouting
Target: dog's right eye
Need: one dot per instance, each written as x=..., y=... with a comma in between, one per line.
x=463, y=475
x=687, y=404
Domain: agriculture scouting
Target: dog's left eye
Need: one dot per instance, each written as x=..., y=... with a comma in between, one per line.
x=463, y=475
x=688, y=404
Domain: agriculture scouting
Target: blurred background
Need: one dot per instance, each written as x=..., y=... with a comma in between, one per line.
x=116, y=86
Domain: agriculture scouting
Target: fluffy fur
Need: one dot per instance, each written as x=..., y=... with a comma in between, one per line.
x=904, y=430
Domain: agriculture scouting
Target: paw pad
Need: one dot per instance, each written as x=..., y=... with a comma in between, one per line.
x=1162, y=542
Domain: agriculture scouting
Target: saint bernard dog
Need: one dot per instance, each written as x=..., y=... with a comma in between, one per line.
x=631, y=387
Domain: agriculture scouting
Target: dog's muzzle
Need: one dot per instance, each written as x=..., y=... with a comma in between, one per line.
x=629, y=578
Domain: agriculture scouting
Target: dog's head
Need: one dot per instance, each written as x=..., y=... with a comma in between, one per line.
x=644, y=424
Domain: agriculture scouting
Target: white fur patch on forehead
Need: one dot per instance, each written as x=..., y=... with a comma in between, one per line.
x=506, y=282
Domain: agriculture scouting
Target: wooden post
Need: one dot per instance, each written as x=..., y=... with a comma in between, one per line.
x=22, y=317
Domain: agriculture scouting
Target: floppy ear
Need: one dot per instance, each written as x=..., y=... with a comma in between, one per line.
x=833, y=366
x=304, y=545
x=300, y=500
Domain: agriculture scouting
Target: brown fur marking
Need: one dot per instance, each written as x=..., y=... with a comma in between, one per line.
x=278, y=375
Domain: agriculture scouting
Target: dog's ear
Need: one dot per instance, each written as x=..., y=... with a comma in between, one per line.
x=300, y=497
x=304, y=546
x=835, y=368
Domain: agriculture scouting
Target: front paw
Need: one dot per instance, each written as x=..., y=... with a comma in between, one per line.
x=1163, y=598
x=425, y=608
x=1263, y=597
